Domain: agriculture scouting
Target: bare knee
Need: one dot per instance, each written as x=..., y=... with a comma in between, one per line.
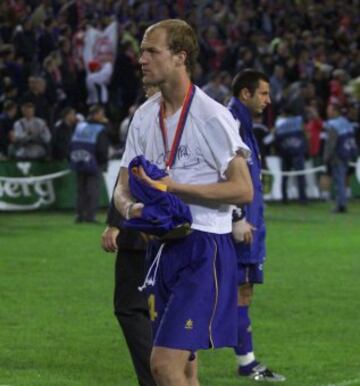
x=191, y=373
x=245, y=293
x=168, y=366
x=163, y=372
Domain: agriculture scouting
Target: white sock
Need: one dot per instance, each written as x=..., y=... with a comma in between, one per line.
x=244, y=360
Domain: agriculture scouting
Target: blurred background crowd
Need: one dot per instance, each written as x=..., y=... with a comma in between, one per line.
x=309, y=50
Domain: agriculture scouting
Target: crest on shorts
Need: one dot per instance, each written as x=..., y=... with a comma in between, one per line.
x=189, y=324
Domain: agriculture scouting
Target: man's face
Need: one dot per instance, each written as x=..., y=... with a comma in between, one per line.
x=331, y=111
x=260, y=99
x=32, y=84
x=28, y=111
x=156, y=60
x=99, y=116
x=12, y=113
x=71, y=117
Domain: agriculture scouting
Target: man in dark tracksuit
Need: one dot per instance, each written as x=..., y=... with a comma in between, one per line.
x=291, y=145
x=130, y=305
x=340, y=149
x=88, y=158
x=251, y=95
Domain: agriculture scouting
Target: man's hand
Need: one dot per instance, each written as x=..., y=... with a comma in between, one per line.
x=108, y=239
x=134, y=210
x=161, y=184
x=242, y=231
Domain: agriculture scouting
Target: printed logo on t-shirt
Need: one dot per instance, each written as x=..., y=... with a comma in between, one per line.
x=185, y=158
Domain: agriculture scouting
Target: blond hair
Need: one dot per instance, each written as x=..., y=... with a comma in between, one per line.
x=180, y=37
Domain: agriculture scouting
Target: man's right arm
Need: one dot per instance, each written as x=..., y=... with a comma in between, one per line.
x=123, y=200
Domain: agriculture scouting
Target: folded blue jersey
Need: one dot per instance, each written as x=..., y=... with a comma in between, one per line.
x=164, y=214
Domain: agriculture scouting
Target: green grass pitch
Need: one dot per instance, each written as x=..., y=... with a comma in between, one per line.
x=57, y=326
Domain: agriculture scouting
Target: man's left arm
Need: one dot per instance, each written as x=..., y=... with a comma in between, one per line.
x=236, y=190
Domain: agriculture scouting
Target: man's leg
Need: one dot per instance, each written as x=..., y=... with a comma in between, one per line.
x=339, y=177
x=131, y=310
x=191, y=372
x=171, y=367
x=285, y=166
x=195, y=302
x=93, y=183
x=244, y=350
x=299, y=164
x=247, y=363
x=80, y=194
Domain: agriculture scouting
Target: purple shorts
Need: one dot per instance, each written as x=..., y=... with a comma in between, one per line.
x=250, y=273
x=193, y=302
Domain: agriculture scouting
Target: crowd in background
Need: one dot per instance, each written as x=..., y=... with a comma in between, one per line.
x=310, y=51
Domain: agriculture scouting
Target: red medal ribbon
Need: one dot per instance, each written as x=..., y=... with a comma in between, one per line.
x=170, y=158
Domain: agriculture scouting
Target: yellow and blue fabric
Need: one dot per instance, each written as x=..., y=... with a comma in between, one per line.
x=195, y=287
x=163, y=212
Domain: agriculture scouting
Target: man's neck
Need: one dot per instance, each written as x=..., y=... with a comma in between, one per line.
x=173, y=94
x=245, y=104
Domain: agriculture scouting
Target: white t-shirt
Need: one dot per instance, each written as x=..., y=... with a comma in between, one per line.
x=210, y=140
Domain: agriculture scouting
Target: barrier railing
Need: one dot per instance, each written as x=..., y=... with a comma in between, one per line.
x=40, y=185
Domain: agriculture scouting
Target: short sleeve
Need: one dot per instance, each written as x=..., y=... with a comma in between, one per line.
x=133, y=147
x=221, y=141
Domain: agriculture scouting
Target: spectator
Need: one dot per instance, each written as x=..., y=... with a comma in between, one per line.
x=317, y=46
x=299, y=95
x=216, y=88
x=10, y=94
x=124, y=85
x=340, y=148
x=25, y=42
x=69, y=76
x=30, y=136
x=336, y=86
x=97, y=81
x=54, y=91
x=313, y=129
x=88, y=158
x=7, y=118
x=36, y=95
x=63, y=132
x=212, y=38
x=277, y=85
x=47, y=41
x=291, y=144
x=13, y=67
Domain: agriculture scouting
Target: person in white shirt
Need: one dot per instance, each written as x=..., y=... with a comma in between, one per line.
x=193, y=299
x=30, y=136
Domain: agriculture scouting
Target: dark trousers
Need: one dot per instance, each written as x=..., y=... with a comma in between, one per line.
x=338, y=172
x=87, y=195
x=131, y=310
x=296, y=162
